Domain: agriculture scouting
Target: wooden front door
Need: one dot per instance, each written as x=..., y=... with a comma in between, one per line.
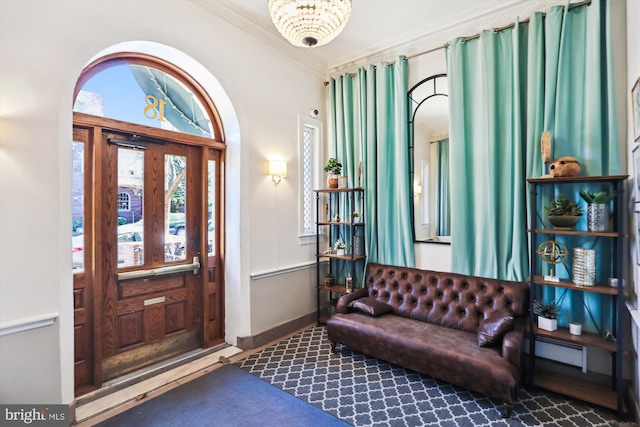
x=152, y=299
x=150, y=282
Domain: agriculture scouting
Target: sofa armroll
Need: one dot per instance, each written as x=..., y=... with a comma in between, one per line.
x=343, y=303
x=512, y=342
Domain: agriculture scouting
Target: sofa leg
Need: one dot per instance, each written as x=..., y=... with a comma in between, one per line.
x=506, y=410
x=333, y=346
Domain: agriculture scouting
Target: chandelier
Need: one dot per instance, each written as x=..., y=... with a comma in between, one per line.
x=309, y=23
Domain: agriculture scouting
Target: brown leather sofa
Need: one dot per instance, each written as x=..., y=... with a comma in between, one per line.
x=464, y=330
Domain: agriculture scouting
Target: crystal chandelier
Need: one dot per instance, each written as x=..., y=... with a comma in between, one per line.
x=310, y=23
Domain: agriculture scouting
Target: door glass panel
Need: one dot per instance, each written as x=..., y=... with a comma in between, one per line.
x=130, y=207
x=77, y=206
x=211, y=191
x=175, y=202
x=144, y=95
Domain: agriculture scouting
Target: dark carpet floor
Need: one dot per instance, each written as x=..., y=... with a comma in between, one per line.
x=364, y=391
x=226, y=397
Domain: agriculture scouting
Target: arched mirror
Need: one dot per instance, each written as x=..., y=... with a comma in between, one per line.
x=429, y=154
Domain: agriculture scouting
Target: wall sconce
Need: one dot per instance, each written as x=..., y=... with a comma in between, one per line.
x=277, y=170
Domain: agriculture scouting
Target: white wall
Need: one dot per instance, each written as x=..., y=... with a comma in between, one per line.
x=43, y=49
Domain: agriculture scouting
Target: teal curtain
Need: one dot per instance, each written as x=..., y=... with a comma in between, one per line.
x=488, y=223
x=506, y=88
x=443, y=202
x=368, y=125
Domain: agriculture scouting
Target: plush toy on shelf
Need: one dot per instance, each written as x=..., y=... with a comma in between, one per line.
x=564, y=167
x=560, y=167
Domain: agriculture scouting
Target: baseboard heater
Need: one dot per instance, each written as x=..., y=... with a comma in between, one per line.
x=560, y=351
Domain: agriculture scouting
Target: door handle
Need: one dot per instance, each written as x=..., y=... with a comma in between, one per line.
x=161, y=271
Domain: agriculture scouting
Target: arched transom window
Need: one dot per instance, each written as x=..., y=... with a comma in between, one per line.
x=146, y=93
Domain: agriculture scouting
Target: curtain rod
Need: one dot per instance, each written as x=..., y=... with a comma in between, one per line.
x=475, y=36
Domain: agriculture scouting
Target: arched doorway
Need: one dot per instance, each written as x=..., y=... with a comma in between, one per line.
x=148, y=217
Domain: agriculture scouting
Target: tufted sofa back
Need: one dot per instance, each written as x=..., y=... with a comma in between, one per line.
x=446, y=299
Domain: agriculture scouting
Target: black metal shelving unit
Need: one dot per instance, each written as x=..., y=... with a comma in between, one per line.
x=342, y=202
x=610, y=396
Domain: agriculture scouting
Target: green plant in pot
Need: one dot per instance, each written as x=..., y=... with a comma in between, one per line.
x=329, y=280
x=597, y=209
x=563, y=213
x=334, y=168
x=547, y=314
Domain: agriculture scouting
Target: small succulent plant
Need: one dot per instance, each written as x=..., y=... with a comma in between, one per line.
x=563, y=206
x=544, y=309
x=601, y=197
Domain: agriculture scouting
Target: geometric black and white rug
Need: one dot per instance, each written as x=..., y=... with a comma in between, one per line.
x=364, y=391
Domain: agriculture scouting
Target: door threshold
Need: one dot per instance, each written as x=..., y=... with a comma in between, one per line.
x=138, y=385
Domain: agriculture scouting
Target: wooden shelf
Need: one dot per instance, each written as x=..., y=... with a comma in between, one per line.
x=346, y=257
x=588, y=339
x=339, y=289
x=577, y=232
x=357, y=224
x=569, y=386
x=578, y=179
x=599, y=288
x=338, y=190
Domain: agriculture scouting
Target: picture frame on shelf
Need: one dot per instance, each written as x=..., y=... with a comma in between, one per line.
x=635, y=109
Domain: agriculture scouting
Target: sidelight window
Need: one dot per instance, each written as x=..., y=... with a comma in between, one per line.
x=310, y=141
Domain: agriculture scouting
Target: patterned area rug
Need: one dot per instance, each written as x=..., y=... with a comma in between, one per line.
x=364, y=391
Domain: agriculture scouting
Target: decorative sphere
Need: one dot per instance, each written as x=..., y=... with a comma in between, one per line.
x=552, y=252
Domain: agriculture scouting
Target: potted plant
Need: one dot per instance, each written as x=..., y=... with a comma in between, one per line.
x=329, y=279
x=334, y=168
x=340, y=247
x=563, y=213
x=547, y=314
x=597, y=209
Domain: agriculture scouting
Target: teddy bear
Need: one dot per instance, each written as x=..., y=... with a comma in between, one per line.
x=564, y=167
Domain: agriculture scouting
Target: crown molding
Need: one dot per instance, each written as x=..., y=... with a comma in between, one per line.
x=253, y=28
x=490, y=14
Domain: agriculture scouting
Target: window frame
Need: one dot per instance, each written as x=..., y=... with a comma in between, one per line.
x=121, y=202
x=308, y=236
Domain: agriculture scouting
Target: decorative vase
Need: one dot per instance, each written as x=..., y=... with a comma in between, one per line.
x=584, y=267
x=358, y=245
x=563, y=222
x=332, y=181
x=575, y=328
x=597, y=217
x=547, y=324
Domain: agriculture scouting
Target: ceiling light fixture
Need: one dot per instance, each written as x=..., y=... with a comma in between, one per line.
x=310, y=23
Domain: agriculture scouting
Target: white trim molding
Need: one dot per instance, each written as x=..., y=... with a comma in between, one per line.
x=283, y=270
x=28, y=323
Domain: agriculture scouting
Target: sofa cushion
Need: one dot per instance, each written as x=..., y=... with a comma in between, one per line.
x=371, y=306
x=492, y=329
